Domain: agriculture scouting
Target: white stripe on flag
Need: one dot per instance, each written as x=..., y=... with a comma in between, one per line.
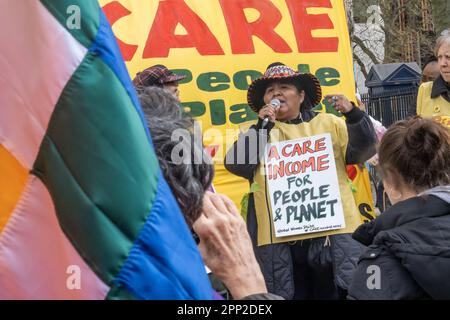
x=37, y=58
x=37, y=261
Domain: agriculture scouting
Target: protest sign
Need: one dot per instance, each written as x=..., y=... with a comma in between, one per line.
x=303, y=186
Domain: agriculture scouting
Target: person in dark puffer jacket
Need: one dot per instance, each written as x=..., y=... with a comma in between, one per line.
x=317, y=265
x=409, y=244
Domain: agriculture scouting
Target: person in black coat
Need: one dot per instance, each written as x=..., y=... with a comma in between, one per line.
x=409, y=244
x=320, y=265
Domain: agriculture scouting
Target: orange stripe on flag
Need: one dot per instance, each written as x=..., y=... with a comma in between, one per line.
x=12, y=182
x=37, y=261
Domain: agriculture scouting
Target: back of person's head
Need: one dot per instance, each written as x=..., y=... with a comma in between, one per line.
x=430, y=69
x=188, y=179
x=429, y=60
x=416, y=152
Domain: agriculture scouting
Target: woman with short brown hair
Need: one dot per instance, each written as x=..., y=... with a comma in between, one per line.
x=409, y=254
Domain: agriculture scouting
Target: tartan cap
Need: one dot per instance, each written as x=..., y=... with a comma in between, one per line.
x=155, y=76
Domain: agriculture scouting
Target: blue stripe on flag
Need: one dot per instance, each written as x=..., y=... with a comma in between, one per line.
x=164, y=261
x=105, y=46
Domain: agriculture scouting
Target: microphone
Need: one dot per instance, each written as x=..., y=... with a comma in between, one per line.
x=274, y=103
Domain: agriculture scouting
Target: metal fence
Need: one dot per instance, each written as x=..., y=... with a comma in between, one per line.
x=391, y=107
x=388, y=109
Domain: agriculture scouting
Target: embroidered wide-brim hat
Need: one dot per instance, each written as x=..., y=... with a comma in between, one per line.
x=278, y=71
x=156, y=75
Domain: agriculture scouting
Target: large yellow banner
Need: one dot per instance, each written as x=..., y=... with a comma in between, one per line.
x=221, y=45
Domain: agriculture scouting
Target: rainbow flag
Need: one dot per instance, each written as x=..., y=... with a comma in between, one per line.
x=84, y=210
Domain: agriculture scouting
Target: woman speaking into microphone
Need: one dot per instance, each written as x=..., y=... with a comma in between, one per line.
x=315, y=265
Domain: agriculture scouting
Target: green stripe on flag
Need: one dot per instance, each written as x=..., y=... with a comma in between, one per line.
x=119, y=293
x=99, y=167
x=98, y=240
x=69, y=12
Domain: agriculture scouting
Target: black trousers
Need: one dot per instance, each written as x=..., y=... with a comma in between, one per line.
x=313, y=272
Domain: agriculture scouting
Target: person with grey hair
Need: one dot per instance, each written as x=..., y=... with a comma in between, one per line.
x=433, y=99
x=224, y=242
x=192, y=172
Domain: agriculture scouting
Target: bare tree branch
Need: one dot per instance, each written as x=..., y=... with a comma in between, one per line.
x=361, y=65
x=366, y=50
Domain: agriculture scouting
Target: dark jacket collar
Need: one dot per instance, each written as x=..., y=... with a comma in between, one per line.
x=402, y=213
x=440, y=88
x=307, y=115
x=417, y=233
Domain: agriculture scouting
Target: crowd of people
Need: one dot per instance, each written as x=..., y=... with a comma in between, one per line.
x=408, y=244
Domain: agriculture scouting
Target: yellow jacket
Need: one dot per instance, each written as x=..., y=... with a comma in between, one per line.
x=437, y=108
x=322, y=123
